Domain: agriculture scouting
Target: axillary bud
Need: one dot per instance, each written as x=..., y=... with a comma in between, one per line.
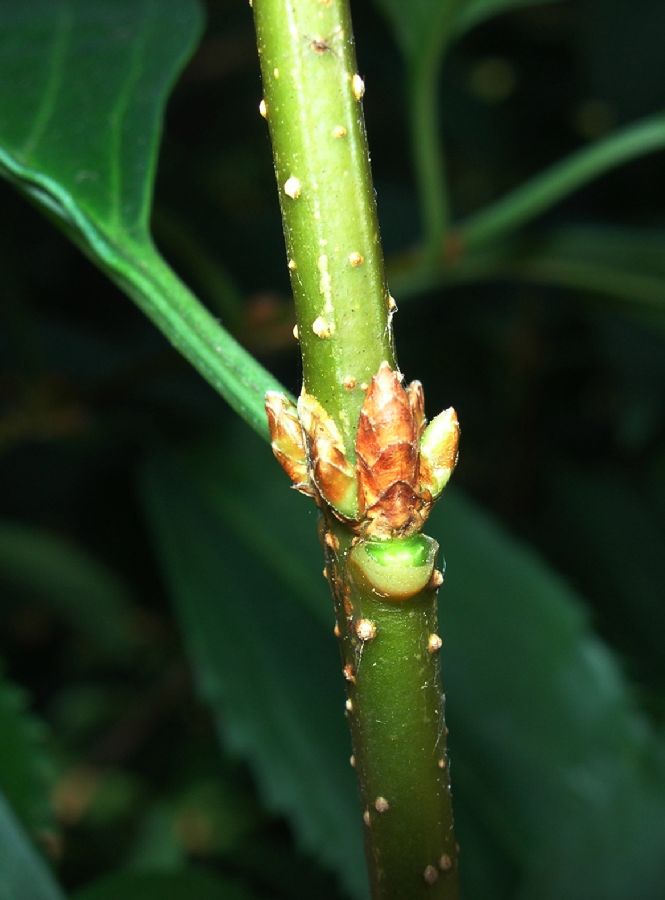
x=396, y=569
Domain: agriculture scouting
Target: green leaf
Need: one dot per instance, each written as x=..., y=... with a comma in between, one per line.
x=23, y=873
x=422, y=22
x=25, y=767
x=79, y=133
x=264, y=659
x=623, y=264
x=605, y=527
x=37, y=566
x=550, y=186
x=470, y=13
x=188, y=885
x=559, y=782
x=549, y=751
x=600, y=262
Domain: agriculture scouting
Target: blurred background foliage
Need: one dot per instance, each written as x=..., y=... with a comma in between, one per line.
x=170, y=706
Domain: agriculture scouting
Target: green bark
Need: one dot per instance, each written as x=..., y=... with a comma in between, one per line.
x=312, y=94
x=312, y=102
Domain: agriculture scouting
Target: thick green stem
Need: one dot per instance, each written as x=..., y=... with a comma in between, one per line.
x=312, y=101
x=395, y=712
x=312, y=94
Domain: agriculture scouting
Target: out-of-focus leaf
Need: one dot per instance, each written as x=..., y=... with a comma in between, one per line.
x=79, y=133
x=265, y=661
x=422, y=22
x=469, y=13
x=549, y=753
x=622, y=264
x=188, y=885
x=559, y=783
x=550, y=186
x=39, y=567
x=23, y=873
x=626, y=263
x=605, y=529
x=25, y=767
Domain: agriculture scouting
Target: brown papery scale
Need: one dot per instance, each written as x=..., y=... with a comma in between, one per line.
x=401, y=465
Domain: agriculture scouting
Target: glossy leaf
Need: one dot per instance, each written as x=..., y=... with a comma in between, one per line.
x=23, y=873
x=551, y=759
x=187, y=885
x=79, y=134
x=25, y=766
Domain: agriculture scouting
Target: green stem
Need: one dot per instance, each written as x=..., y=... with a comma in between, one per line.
x=312, y=98
x=312, y=94
x=558, y=181
x=395, y=713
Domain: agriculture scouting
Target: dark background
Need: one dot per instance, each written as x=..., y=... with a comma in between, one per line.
x=559, y=391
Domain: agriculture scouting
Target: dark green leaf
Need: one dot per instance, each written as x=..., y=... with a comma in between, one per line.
x=602, y=263
x=23, y=873
x=37, y=566
x=423, y=22
x=549, y=751
x=623, y=264
x=562, y=178
x=264, y=659
x=469, y=13
x=25, y=767
x=79, y=133
x=192, y=885
x=605, y=528
x=559, y=783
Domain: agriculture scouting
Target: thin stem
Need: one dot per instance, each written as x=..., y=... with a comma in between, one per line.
x=558, y=181
x=425, y=126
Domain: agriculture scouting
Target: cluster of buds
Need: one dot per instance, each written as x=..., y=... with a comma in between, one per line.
x=401, y=464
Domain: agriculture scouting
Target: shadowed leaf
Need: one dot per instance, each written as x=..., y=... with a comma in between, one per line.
x=265, y=662
x=192, y=885
x=551, y=760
